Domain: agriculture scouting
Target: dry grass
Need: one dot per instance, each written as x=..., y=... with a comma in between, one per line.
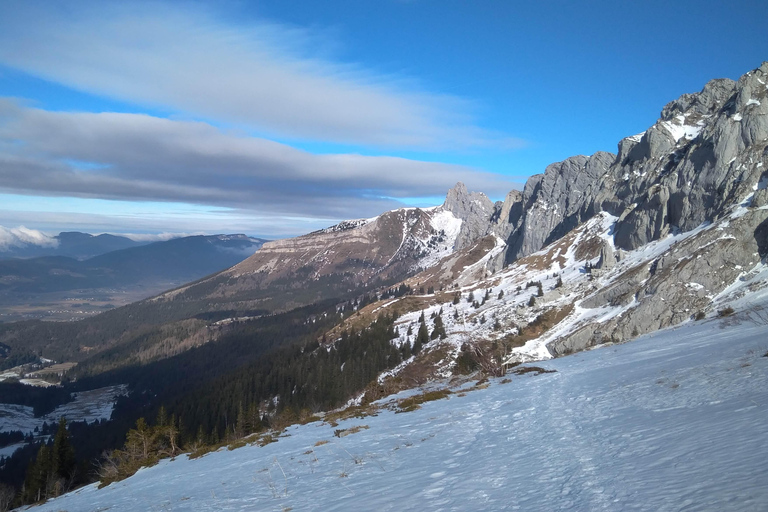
x=414, y=402
x=359, y=411
x=542, y=324
x=726, y=312
x=536, y=370
x=349, y=431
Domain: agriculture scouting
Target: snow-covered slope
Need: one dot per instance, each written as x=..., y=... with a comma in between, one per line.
x=673, y=421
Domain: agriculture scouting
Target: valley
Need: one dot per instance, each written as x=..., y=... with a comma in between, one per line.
x=77, y=304
x=595, y=341
x=673, y=417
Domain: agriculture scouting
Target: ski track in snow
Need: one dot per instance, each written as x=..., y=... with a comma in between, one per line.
x=675, y=420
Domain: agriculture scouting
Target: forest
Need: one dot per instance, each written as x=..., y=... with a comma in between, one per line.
x=266, y=370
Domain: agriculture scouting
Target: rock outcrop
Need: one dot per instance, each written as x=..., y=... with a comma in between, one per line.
x=707, y=152
x=475, y=211
x=607, y=258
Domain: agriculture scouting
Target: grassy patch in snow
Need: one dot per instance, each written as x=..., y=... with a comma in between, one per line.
x=343, y=432
x=536, y=370
x=539, y=326
x=357, y=411
x=414, y=402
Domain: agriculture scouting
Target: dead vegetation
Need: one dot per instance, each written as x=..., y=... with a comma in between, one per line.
x=555, y=254
x=539, y=326
x=535, y=370
x=588, y=249
x=344, y=432
x=358, y=411
x=414, y=402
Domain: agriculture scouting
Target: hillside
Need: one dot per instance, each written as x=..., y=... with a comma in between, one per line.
x=71, y=244
x=671, y=420
x=56, y=287
x=672, y=230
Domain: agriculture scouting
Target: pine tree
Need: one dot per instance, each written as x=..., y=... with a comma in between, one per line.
x=501, y=294
x=439, y=329
x=38, y=475
x=540, y=293
x=532, y=301
x=241, y=424
x=406, y=348
x=63, y=454
x=422, y=338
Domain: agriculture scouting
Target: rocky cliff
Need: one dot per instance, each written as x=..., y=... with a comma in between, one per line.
x=706, y=152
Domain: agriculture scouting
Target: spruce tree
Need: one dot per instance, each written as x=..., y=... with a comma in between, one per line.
x=63, y=454
x=421, y=338
x=439, y=329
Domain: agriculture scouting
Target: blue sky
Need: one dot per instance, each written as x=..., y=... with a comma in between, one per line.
x=277, y=118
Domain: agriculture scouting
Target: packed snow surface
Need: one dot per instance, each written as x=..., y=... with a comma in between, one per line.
x=675, y=420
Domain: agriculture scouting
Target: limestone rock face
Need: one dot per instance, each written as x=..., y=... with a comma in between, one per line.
x=474, y=209
x=673, y=288
x=607, y=259
x=760, y=198
x=555, y=202
x=707, y=152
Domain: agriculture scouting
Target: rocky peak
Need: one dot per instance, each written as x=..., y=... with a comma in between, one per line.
x=463, y=204
x=707, y=152
x=475, y=211
x=707, y=102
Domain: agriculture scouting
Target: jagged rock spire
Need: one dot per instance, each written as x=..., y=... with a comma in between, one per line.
x=475, y=211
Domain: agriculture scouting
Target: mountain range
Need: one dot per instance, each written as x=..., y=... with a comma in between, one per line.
x=597, y=250
x=697, y=177
x=27, y=243
x=63, y=287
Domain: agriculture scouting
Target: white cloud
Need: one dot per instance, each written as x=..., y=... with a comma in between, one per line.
x=21, y=237
x=136, y=157
x=262, y=75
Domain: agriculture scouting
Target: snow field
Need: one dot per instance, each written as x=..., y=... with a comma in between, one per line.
x=675, y=420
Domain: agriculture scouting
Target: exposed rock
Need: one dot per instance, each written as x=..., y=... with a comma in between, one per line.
x=760, y=198
x=607, y=259
x=557, y=201
x=705, y=153
x=676, y=286
x=475, y=210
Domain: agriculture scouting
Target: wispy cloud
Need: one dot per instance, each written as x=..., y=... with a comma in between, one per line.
x=136, y=157
x=262, y=75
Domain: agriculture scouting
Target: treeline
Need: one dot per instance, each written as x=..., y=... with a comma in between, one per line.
x=42, y=400
x=280, y=388
x=268, y=370
x=54, y=470
x=144, y=446
x=299, y=376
